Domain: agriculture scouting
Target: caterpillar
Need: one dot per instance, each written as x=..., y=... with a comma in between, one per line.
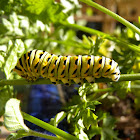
x=38, y=63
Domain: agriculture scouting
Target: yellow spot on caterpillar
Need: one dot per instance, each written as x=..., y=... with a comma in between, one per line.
x=75, y=58
x=99, y=65
x=85, y=74
x=75, y=67
x=40, y=53
x=45, y=63
x=53, y=66
x=88, y=58
x=28, y=68
x=109, y=66
x=37, y=60
x=73, y=75
x=88, y=66
x=96, y=74
x=61, y=75
x=63, y=66
x=65, y=58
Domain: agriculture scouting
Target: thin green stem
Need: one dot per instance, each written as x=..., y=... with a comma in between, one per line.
x=112, y=14
x=112, y=89
x=103, y=90
x=48, y=127
x=24, y=82
x=123, y=77
x=37, y=134
x=104, y=35
x=70, y=43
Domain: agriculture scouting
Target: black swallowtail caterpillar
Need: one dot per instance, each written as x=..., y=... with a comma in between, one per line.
x=38, y=63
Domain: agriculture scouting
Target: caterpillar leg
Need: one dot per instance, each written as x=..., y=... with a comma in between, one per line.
x=115, y=75
x=54, y=80
x=66, y=81
x=31, y=78
x=78, y=81
x=90, y=79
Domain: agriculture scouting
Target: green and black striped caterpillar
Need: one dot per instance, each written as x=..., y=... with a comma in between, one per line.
x=38, y=63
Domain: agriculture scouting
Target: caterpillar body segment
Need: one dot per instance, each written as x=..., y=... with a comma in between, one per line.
x=38, y=63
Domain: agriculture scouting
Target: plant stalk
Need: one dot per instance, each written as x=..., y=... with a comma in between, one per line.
x=123, y=77
x=118, y=41
x=37, y=134
x=48, y=127
x=112, y=14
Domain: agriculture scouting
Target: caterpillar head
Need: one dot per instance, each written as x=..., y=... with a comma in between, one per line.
x=116, y=75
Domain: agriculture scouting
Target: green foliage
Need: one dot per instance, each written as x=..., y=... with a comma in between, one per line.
x=58, y=118
x=42, y=8
x=9, y=56
x=107, y=129
x=46, y=25
x=18, y=135
x=13, y=119
x=84, y=119
x=37, y=7
x=6, y=93
x=6, y=6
